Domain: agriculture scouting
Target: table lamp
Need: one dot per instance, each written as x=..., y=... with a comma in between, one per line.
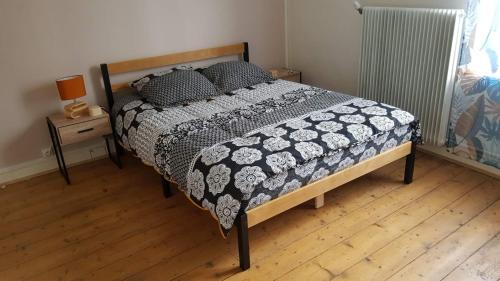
x=71, y=88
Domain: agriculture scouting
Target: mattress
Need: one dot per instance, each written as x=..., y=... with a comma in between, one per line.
x=239, y=150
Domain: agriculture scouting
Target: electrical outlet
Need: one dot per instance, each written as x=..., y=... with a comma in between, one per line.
x=47, y=152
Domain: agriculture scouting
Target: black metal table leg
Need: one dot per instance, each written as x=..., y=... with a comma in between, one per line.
x=58, y=151
x=243, y=244
x=410, y=163
x=54, y=145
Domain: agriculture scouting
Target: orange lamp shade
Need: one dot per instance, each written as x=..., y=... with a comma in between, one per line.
x=71, y=87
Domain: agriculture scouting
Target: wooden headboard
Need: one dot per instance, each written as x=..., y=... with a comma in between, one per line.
x=165, y=60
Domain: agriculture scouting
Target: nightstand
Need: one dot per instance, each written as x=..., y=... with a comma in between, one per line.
x=65, y=131
x=287, y=74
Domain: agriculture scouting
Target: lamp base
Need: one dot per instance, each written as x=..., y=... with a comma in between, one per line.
x=75, y=109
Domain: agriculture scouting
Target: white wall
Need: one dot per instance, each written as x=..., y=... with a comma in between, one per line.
x=44, y=40
x=324, y=38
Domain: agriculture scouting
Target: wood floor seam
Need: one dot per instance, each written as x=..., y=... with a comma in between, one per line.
x=132, y=233
x=123, y=238
x=451, y=233
x=472, y=254
x=426, y=194
x=454, y=230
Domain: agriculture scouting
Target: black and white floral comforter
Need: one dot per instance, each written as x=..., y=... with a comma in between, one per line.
x=237, y=151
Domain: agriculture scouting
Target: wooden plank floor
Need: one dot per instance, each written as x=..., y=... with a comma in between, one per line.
x=115, y=225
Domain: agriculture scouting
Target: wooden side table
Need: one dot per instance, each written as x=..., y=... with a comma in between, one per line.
x=287, y=74
x=65, y=131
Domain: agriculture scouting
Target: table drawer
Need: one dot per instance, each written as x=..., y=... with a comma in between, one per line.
x=84, y=131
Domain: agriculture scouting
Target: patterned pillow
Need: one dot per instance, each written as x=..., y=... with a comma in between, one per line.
x=178, y=87
x=232, y=75
x=141, y=82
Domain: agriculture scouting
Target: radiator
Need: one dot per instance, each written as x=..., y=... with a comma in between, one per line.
x=408, y=59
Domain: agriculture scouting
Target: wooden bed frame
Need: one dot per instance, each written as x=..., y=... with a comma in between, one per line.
x=281, y=204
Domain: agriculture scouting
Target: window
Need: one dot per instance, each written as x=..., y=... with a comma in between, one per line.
x=485, y=40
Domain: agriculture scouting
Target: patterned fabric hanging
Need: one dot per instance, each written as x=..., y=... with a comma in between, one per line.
x=474, y=130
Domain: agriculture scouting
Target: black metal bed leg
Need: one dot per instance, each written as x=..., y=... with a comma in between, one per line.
x=410, y=163
x=243, y=245
x=116, y=157
x=167, y=190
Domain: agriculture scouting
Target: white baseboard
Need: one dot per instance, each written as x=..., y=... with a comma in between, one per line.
x=469, y=163
x=45, y=165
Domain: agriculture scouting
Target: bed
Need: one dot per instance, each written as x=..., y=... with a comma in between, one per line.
x=252, y=153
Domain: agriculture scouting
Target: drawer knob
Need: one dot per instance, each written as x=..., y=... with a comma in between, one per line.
x=85, y=130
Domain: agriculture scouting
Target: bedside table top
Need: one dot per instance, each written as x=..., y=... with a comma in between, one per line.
x=59, y=120
x=283, y=72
